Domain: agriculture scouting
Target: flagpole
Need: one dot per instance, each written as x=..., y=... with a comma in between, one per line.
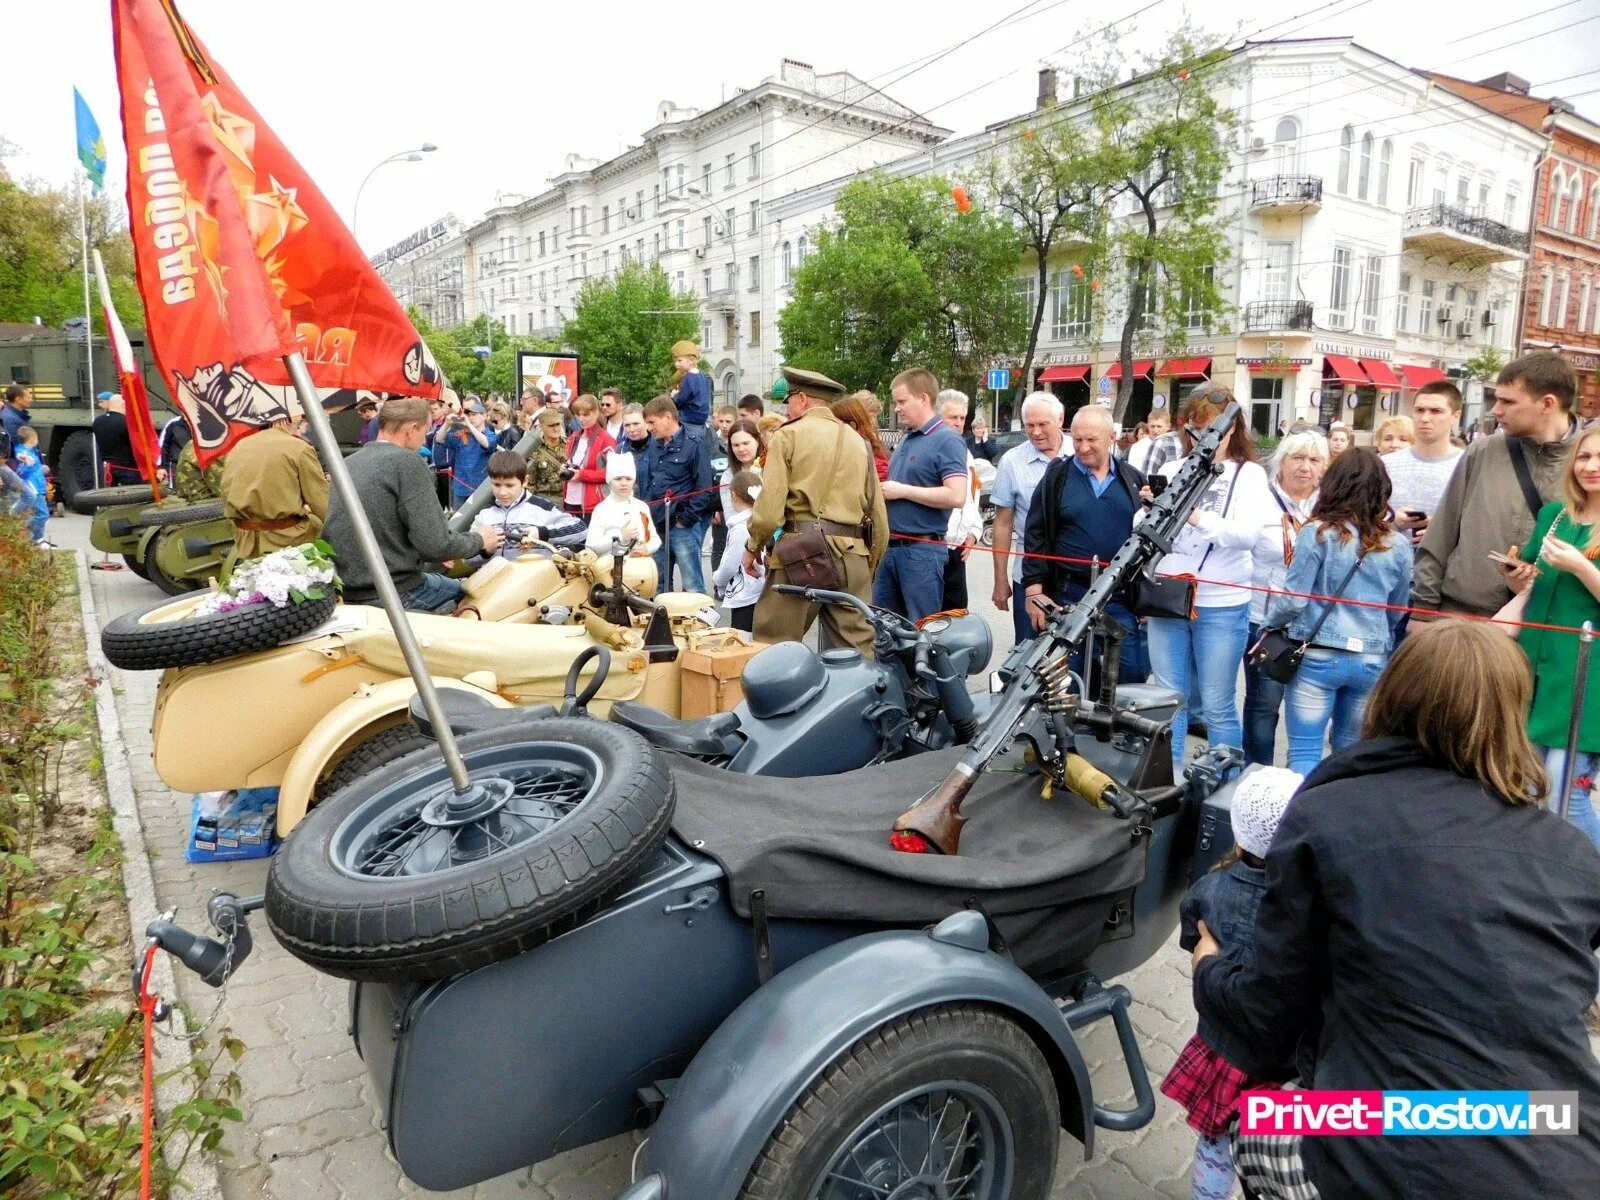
x=88, y=316
x=367, y=545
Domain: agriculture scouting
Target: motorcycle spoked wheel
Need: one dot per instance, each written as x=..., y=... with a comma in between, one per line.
x=386, y=881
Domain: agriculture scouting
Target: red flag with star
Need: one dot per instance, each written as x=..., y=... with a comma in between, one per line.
x=240, y=259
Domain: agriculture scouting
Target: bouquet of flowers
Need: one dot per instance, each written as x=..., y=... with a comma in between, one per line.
x=295, y=574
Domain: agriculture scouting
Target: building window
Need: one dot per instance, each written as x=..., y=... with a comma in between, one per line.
x=1194, y=313
x=1370, y=289
x=705, y=228
x=1425, y=308
x=705, y=336
x=1402, y=303
x=1277, y=265
x=638, y=249
x=1286, y=145
x=680, y=233
x=1463, y=190
x=1070, y=318
x=755, y=272
x=705, y=179
x=755, y=213
x=1483, y=198
x=541, y=243
x=555, y=241
x=655, y=200
x=1563, y=295
x=1575, y=197
x=1414, y=176
x=1385, y=157
x=1556, y=214
x=657, y=252
x=755, y=166
x=605, y=218
x=730, y=275
x=1547, y=295
x=1339, y=287
x=1347, y=141
x=727, y=223
x=678, y=283
x=1365, y=173
x=583, y=218
x=705, y=282
x=511, y=322
x=1513, y=212
x=788, y=262
x=1441, y=177
x=1027, y=289
x=727, y=170
x=638, y=204
x=800, y=251
x=755, y=329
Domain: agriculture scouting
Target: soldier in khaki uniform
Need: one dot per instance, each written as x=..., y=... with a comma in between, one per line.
x=193, y=484
x=818, y=470
x=274, y=492
x=547, y=458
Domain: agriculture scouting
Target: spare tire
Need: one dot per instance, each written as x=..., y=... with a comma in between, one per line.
x=208, y=510
x=166, y=634
x=90, y=499
x=383, y=883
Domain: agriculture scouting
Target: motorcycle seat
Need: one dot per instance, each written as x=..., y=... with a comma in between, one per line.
x=468, y=713
x=706, y=736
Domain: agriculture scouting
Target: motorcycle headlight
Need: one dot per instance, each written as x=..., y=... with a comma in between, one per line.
x=968, y=643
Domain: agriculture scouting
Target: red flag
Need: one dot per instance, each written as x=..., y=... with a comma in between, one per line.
x=240, y=260
x=136, y=404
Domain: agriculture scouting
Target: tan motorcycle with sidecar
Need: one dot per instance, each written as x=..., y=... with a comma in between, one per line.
x=308, y=697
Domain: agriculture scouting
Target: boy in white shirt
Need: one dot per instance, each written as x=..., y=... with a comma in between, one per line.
x=622, y=514
x=739, y=590
x=515, y=508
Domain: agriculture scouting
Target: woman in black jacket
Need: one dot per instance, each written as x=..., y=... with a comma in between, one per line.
x=1426, y=925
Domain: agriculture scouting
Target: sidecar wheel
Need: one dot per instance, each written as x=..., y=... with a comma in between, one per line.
x=87, y=500
x=386, y=882
x=956, y=1102
x=168, y=634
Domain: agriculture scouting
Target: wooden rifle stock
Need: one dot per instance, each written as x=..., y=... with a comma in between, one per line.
x=938, y=817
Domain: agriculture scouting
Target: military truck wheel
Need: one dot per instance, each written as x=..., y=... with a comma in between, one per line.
x=185, y=514
x=75, y=469
x=955, y=1101
x=88, y=500
x=396, y=878
x=168, y=634
x=172, y=585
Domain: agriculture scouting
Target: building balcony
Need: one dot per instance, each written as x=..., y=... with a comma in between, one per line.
x=1286, y=194
x=1277, y=316
x=1462, y=235
x=722, y=300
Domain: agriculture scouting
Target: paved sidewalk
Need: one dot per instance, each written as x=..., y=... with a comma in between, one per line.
x=311, y=1131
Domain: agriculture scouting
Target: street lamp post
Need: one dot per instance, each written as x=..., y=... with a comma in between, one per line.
x=403, y=156
x=733, y=250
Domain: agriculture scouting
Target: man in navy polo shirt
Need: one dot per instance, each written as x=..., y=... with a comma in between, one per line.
x=1083, y=509
x=927, y=478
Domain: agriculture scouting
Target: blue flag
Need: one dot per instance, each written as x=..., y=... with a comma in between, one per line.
x=91, y=146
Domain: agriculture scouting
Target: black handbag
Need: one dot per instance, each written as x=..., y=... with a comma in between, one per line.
x=1277, y=655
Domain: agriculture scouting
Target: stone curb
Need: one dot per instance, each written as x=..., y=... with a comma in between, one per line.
x=201, y=1170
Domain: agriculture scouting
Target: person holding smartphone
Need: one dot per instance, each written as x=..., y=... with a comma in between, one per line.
x=1419, y=473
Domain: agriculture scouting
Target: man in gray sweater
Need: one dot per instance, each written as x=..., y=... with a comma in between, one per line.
x=396, y=488
x=1484, y=509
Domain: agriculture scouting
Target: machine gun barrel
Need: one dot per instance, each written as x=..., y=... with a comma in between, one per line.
x=937, y=818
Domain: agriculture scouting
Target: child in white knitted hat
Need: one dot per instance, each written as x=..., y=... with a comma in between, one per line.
x=1213, y=1071
x=622, y=514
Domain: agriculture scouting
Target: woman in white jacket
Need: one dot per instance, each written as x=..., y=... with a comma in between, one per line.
x=1201, y=656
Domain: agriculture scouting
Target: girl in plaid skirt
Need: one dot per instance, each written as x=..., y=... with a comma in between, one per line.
x=1211, y=1073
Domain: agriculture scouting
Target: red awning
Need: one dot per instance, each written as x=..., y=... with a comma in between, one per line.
x=1381, y=373
x=1345, y=370
x=1415, y=377
x=1186, y=368
x=1076, y=373
x=1142, y=369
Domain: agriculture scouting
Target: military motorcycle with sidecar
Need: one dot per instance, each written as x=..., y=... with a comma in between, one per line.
x=595, y=936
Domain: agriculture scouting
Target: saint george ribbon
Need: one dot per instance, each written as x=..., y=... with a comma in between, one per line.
x=240, y=259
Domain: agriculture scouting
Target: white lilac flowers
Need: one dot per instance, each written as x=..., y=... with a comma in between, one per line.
x=296, y=574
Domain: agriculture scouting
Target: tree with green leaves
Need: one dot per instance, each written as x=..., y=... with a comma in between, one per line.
x=904, y=278
x=41, y=256
x=624, y=327
x=1164, y=140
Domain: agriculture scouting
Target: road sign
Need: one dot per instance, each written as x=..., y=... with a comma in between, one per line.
x=999, y=379
x=1105, y=386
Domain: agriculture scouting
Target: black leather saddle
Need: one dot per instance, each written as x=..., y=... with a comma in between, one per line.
x=709, y=736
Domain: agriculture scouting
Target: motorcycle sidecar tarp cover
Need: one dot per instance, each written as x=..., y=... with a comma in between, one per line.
x=1049, y=873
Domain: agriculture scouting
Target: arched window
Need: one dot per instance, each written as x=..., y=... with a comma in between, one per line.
x=1286, y=145
x=1385, y=157
x=788, y=262
x=1557, y=214
x=1575, y=196
x=1365, y=174
x=801, y=249
x=1347, y=140
x=1594, y=215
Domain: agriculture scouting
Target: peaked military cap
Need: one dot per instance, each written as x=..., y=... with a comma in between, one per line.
x=812, y=383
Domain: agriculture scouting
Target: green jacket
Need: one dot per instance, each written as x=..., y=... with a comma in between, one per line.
x=1559, y=598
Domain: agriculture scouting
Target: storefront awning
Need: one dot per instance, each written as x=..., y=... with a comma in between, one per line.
x=1416, y=377
x=1345, y=370
x=1142, y=369
x=1075, y=373
x=1186, y=368
x=1381, y=373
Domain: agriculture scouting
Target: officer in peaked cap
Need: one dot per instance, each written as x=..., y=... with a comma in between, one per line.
x=818, y=473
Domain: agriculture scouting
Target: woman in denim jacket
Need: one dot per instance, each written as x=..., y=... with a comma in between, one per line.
x=1350, y=522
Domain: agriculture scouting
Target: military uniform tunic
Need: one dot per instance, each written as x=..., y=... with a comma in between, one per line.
x=544, y=470
x=819, y=468
x=274, y=492
x=193, y=484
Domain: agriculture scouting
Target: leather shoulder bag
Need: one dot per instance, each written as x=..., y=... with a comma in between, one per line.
x=804, y=553
x=1277, y=655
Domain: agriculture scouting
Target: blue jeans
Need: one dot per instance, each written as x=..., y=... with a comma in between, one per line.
x=910, y=580
x=1021, y=624
x=435, y=594
x=1327, y=700
x=1580, y=804
x=1133, y=660
x=38, y=517
x=1205, y=651
x=685, y=543
x=1263, y=698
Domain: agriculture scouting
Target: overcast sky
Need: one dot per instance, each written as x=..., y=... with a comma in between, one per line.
x=507, y=88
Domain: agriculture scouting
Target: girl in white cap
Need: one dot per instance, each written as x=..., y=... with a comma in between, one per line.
x=1213, y=1070
x=622, y=514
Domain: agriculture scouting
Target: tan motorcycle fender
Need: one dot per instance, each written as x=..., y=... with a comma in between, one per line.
x=372, y=708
